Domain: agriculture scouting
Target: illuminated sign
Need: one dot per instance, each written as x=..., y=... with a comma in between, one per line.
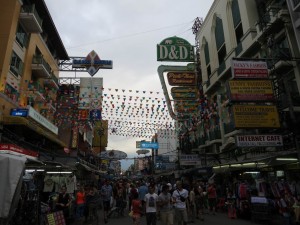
x=175, y=49
x=255, y=116
x=184, y=92
x=181, y=78
x=249, y=69
x=250, y=90
x=264, y=140
x=92, y=63
x=19, y=112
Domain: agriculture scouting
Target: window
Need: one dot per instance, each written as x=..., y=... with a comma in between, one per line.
x=21, y=36
x=207, y=60
x=237, y=22
x=16, y=64
x=220, y=41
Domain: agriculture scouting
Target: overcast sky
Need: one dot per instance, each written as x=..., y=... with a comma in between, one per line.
x=126, y=32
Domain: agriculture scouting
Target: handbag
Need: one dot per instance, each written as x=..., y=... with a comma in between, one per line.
x=130, y=213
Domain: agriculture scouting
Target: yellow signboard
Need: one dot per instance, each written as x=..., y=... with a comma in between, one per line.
x=250, y=90
x=255, y=116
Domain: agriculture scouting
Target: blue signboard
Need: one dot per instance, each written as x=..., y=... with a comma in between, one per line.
x=19, y=112
x=152, y=145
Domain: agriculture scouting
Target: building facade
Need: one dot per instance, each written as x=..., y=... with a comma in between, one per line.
x=30, y=52
x=247, y=32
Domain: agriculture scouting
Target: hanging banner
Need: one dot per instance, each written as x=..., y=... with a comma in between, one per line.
x=250, y=90
x=255, y=116
x=249, y=69
x=264, y=140
x=184, y=92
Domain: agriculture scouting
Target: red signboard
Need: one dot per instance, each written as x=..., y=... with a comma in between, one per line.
x=181, y=78
x=17, y=149
x=249, y=69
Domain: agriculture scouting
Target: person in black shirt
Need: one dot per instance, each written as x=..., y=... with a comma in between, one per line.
x=63, y=202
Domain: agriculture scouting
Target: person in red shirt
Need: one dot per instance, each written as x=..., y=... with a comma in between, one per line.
x=80, y=202
x=212, y=198
x=136, y=208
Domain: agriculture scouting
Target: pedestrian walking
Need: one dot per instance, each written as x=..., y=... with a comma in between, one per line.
x=164, y=203
x=180, y=196
x=151, y=206
x=106, y=193
x=212, y=197
x=136, y=209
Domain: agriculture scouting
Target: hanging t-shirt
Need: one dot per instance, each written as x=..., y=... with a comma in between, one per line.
x=48, y=184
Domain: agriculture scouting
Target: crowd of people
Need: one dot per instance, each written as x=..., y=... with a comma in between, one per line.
x=170, y=202
x=161, y=200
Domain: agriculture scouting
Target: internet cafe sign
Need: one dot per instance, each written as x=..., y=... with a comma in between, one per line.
x=175, y=49
x=92, y=63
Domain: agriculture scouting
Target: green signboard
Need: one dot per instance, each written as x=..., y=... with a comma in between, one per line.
x=175, y=49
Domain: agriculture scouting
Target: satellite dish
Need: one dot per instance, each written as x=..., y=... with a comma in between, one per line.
x=142, y=151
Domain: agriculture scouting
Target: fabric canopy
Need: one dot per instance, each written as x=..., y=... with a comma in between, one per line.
x=11, y=167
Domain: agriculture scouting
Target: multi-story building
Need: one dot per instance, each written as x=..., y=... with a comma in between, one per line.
x=247, y=31
x=30, y=50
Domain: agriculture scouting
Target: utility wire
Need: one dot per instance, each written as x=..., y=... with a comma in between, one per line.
x=128, y=35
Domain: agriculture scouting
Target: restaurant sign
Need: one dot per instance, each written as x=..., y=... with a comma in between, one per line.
x=255, y=116
x=249, y=69
x=250, y=90
x=264, y=140
x=175, y=49
x=181, y=78
x=184, y=92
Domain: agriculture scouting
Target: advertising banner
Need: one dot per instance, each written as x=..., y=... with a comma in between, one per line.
x=250, y=90
x=249, y=69
x=181, y=78
x=186, y=107
x=264, y=140
x=255, y=116
x=184, y=92
x=186, y=160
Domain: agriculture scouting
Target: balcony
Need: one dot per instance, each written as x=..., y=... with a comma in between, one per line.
x=40, y=68
x=52, y=82
x=30, y=19
x=36, y=92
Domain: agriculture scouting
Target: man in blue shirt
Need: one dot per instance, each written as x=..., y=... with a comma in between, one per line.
x=106, y=193
x=143, y=190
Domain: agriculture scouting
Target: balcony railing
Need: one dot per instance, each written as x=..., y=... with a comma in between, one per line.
x=36, y=91
x=52, y=82
x=221, y=68
x=40, y=68
x=30, y=19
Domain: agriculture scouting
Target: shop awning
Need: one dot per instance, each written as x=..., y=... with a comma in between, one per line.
x=33, y=125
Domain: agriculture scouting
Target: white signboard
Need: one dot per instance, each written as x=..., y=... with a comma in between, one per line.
x=42, y=120
x=186, y=160
x=264, y=140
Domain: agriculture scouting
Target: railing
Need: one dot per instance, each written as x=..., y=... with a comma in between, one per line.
x=35, y=86
x=30, y=9
x=38, y=59
x=22, y=39
x=238, y=49
x=221, y=68
x=17, y=70
x=55, y=79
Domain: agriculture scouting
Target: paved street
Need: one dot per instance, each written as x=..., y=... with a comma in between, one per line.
x=218, y=219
